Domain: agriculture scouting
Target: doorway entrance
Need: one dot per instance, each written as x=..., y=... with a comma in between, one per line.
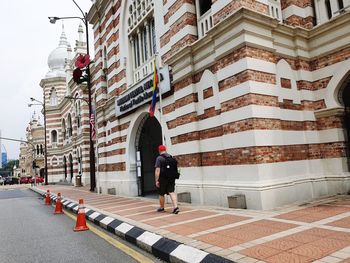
x=65, y=168
x=71, y=167
x=149, y=139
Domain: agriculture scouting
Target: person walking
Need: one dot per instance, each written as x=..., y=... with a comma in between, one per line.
x=165, y=182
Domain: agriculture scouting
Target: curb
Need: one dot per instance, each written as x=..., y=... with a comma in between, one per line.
x=161, y=247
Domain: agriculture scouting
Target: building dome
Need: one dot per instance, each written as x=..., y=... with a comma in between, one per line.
x=57, y=58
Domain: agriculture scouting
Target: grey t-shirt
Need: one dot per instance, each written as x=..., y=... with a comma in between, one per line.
x=160, y=160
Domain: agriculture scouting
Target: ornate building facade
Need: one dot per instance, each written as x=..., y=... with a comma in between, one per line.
x=33, y=150
x=255, y=97
x=67, y=118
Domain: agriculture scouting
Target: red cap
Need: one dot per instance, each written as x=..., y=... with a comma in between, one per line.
x=161, y=148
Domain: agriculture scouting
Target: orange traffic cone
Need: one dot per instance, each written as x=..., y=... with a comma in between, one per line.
x=81, y=220
x=47, y=198
x=58, y=207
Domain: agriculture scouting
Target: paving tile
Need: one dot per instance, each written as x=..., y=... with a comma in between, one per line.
x=219, y=241
x=148, y=216
x=274, y=224
x=311, y=251
x=344, y=223
x=137, y=210
x=321, y=232
x=332, y=244
x=285, y=257
x=282, y=244
x=181, y=217
x=205, y=224
x=313, y=214
x=302, y=238
x=260, y=252
x=341, y=235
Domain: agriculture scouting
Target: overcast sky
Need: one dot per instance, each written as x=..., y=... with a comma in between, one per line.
x=27, y=39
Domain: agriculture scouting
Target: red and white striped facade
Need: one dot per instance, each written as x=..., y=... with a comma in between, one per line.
x=256, y=103
x=67, y=119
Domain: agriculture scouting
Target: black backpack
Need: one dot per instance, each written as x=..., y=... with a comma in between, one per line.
x=169, y=167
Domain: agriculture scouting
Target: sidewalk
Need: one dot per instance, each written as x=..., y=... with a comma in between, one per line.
x=317, y=232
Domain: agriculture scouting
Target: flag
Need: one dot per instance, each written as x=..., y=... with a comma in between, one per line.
x=155, y=90
x=93, y=128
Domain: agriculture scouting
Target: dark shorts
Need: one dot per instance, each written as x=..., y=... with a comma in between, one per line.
x=166, y=186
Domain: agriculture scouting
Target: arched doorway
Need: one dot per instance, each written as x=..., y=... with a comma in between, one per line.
x=65, y=167
x=149, y=139
x=71, y=167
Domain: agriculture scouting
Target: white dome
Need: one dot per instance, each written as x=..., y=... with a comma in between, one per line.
x=57, y=58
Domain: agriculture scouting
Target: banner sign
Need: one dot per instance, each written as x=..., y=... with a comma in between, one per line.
x=141, y=92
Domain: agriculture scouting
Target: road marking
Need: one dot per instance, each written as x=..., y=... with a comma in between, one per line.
x=127, y=250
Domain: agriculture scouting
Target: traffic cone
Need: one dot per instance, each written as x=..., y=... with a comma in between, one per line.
x=47, y=198
x=81, y=220
x=58, y=207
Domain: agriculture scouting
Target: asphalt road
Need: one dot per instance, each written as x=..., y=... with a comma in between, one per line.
x=30, y=232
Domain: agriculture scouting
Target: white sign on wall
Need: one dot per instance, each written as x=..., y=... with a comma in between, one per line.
x=141, y=92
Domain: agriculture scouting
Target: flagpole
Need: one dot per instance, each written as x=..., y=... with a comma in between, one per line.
x=160, y=107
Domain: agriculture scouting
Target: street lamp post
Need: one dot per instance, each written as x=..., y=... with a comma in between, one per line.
x=45, y=141
x=92, y=152
x=33, y=149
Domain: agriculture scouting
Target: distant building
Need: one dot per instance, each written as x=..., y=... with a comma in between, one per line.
x=34, y=150
x=4, y=159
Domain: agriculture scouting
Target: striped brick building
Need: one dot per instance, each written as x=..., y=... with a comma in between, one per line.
x=67, y=114
x=254, y=100
x=33, y=150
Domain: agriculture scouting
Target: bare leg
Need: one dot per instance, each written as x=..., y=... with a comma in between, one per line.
x=173, y=197
x=161, y=201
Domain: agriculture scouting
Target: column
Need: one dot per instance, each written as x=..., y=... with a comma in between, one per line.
x=334, y=7
x=148, y=53
x=151, y=38
x=133, y=60
x=139, y=36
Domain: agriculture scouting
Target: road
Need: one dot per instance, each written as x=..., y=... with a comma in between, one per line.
x=30, y=232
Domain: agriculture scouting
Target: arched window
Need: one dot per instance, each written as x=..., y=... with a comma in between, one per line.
x=78, y=113
x=328, y=8
x=64, y=129
x=37, y=150
x=105, y=58
x=54, y=136
x=69, y=129
x=53, y=97
x=41, y=149
x=340, y=4
x=80, y=160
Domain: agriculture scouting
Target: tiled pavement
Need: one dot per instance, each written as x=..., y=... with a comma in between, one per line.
x=317, y=232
